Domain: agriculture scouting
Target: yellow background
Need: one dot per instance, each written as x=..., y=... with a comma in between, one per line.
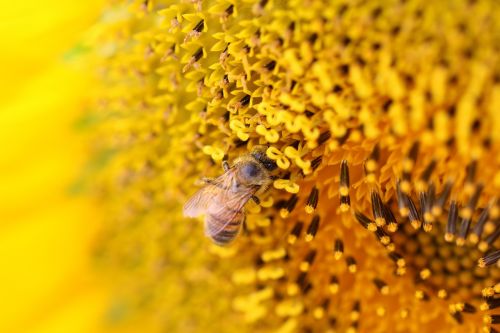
x=45, y=234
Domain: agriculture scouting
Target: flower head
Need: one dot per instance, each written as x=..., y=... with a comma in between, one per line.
x=381, y=118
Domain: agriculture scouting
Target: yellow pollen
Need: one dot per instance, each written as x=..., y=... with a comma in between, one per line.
x=392, y=227
x=416, y=224
x=318, y=313
x=344, y=191
x=333, y=288
x=449, y=237
x=344, y=208
x=380, y=221
x=381, y=311
x=371, y=166
x=442, y=294
x=292, y=289
x=425, y=274
x=304, y=266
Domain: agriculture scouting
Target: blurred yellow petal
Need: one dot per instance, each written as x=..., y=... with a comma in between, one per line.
x=46, y=281
x=384, y=112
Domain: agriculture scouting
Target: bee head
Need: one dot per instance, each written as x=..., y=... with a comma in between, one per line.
x=259, y=153
x=250, y=170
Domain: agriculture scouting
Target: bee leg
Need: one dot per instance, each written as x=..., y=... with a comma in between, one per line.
x=225, y=166
x=244, y=226
x=208, y=180
x=256, y=199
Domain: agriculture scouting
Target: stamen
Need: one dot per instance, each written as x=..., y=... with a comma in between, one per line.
x=307, y=288
x=456, y=315
x=312, y=200
x=333, y=286
x=483, y=246
x=392, y=223
x=451, y=225
x=425, y=274
x=338, y=249
x=270, y=65
x=491, y=319
x=421, y=295
x=365, y=221
x=378, y=209
x=494, y=236
x=372, y=161
x=442, y=294
x=426, y=199
x=295, y=233
x=316, y=162
x=324, y=137
x=355, y=313
x=488, y=292
x=229, y=10
x=308, y=261
x=425, y=176
x=489, y=259
x=437, y=208
x=312, y=229
x=302, y=280
x=410, y=160
x=490, y=304
x=463, y=307
x=404, y=208
x=345, y=200
x=197, y=55
x=381, y=286
x=467, y=212
x=345, y=203
x=398, y=259
x=479, y=227
x=319, y=311
x=351, y=264
x=245, y=100
x=382, y=236
x=289, y=206
x=199, y=27
x=413, y=215
x=470, y=176
x=464, y=230
x=196, y=32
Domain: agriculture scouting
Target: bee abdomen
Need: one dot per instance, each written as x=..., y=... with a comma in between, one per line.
x=225, y=236
x=228, y=230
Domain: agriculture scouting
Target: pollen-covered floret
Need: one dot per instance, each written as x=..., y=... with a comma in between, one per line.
x=382, y=119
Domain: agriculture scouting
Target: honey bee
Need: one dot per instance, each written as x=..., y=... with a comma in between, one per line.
x=222, y=199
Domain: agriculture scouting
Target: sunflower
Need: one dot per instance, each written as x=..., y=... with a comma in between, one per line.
x=46, y=280
x=381, y=117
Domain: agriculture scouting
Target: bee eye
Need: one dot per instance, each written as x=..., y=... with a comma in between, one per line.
x=250, y=170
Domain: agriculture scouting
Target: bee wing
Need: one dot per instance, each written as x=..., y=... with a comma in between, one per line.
x=201, y=200
x=225, y=209
x=198, y=203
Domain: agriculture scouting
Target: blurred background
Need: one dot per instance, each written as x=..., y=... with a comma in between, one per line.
x=46, y=228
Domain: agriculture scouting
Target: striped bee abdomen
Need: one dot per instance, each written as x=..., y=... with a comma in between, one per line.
x=225, y=226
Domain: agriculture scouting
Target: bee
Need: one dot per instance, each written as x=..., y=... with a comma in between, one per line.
x=222, y=199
